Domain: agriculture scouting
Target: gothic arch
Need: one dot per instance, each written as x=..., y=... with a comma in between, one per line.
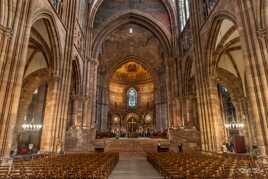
x=38, y=45
x=132, y=16
x=167, y=3
x=53, y=33
x=212, y=56
x=232, y=82
x=43, y=35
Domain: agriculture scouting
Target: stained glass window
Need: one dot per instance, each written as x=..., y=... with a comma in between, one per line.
x=184, y=12
x=208, y=5
x=56, y=3
x=132, y=98
x=227, y=104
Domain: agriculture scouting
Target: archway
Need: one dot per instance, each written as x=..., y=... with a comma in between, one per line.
x=131, y=34
x=131, y=90
x=37, y=91
x=138, y=64
x=226, y=69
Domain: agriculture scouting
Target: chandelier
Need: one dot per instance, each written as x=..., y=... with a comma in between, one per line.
x=235, y=125
x=31, y=127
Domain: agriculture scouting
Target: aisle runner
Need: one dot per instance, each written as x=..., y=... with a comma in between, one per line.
x=134, y=166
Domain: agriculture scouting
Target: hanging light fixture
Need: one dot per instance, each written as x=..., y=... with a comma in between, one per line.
x=30, y=126
x=235, y=125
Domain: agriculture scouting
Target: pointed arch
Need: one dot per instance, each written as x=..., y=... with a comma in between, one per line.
x=211, y=55
x=54, y=37
x=167, y=3
x=132, y=16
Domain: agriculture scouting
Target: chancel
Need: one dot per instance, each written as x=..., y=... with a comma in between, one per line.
x=133, y=89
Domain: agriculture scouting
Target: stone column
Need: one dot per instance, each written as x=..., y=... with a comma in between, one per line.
x=99, y=106
x=90, y=93
x=161, y=116
x=216, y=120
x=102, y=100
x=50, y=124
x=86, y=112
x=242, y=116
x=13, y=52
x=86, y=95
x=202, y=122
x=188, y=122
x=180, y=112
x=255, y=118
x=256, y=53
x=77, y=111
x=158, y=124
x=94, y=92
x=104, y=110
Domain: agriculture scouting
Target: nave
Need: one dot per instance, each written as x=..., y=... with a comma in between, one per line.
x=141, y=77
x=134, y=166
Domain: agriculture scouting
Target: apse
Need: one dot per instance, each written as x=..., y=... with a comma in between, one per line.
x=131, y=91
x=131, y=94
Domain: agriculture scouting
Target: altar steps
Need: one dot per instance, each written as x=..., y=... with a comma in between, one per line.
x=130, y=145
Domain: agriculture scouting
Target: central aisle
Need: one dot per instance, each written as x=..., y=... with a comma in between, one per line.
x=134, y=166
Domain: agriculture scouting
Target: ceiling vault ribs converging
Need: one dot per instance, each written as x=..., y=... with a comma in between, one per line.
x=97, y=4
x=103, y=25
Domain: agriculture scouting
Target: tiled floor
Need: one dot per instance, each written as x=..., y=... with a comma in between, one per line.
x=134, y=166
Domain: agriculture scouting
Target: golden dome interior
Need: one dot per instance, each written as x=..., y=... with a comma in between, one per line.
x=131, y=72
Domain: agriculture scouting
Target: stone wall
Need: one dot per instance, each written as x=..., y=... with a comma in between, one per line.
x=189, y=138
x=80, y=140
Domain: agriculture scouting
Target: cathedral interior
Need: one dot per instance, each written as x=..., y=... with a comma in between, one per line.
x=157, y=88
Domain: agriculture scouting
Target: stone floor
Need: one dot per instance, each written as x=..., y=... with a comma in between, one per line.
x=134, y=166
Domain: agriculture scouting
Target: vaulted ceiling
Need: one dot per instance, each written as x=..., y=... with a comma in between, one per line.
x=132, y=29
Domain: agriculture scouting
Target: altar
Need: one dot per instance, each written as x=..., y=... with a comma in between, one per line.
x=131, y=144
